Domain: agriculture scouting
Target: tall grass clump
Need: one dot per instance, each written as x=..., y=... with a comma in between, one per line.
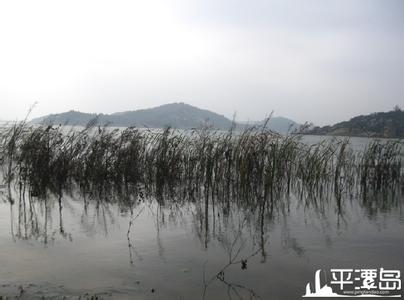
x=380, y=165
x=254, y=166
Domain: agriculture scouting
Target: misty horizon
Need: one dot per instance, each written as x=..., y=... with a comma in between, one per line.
x=31, y=110
x=321, y=62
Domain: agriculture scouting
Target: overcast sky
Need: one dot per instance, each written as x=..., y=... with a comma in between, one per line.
x=310, y=60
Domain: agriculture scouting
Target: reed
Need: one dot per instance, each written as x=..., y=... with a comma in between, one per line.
x=255, y=165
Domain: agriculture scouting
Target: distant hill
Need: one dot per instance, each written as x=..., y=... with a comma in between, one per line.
x=382, y=124
x=176, y=115
x=278, y=124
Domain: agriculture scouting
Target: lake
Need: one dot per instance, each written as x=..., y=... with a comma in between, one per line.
x=80, y=246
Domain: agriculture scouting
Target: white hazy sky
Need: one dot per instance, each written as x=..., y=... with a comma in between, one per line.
x=310, y=60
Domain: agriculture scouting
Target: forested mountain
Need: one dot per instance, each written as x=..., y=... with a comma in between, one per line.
x=382, y=124
x=176, y=115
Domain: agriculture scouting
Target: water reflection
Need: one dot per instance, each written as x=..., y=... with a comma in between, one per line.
x=236, y=238
x=31, y=219
x=233, y=244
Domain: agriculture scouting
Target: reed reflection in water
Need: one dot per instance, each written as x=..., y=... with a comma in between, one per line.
x=134, y=244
